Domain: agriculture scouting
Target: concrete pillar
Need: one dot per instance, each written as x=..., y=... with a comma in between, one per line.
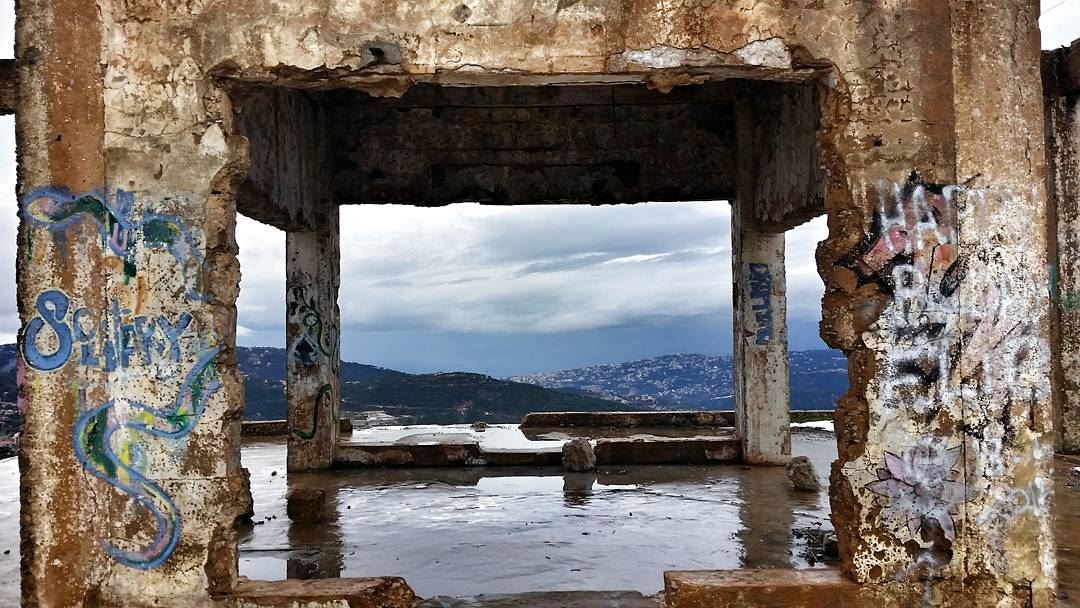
x=1061, y=86
x=937, y=291
x=759, y=304
x=313, y=381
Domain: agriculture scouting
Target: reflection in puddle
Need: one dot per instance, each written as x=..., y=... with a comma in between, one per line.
x=466, y=531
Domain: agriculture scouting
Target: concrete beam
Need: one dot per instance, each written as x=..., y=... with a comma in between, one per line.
x=787, y=189
x=759, y=302
x=313, y=381
x=532, y=145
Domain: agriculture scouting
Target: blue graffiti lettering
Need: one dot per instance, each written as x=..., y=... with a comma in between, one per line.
x=120, y=341
x=52, y=307
x=761, y=286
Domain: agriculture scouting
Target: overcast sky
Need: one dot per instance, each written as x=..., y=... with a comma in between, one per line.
x=512, y=290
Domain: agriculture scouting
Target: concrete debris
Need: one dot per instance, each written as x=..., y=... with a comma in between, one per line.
x=578, y=455
x=802, y=474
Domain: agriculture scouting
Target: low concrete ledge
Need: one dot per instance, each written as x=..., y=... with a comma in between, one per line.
x=691, y=450
x=674, y=419
x=264, y=428
x=688, y=418
x=383, y=592
x=711, y=449
x=280, y=428
x=754, y=588
x=440, y=455
x=826, y=587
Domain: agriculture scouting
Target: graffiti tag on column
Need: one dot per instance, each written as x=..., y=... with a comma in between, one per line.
x=56, y=210
x=326, y=392
x=109, y=438
x=319, y=339
x=110, y=340
x=760, y=280
x=96, y=449
x=938, y=351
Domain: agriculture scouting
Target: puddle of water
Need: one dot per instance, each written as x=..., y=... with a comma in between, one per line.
x=480, y=530
x=466, y=531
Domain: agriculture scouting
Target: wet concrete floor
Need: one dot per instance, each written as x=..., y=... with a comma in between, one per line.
x=457, y=532
x=468, y=531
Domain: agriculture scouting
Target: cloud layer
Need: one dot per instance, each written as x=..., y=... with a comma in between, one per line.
x=546, y=269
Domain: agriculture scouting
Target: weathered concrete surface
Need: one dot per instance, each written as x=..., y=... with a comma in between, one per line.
x=384, y=592
x=936, y=286
x=1061, y=87
x=783, y=169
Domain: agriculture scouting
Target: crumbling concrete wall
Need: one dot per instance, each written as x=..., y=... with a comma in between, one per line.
x=130, y=162
x=1061, y=87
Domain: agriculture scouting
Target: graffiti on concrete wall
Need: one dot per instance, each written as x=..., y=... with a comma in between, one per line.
x=760, y=280
x=322, y=401
x=319, y=339
x=57, y=210
x=938, y=351
x=921, y=485
x=318, y=343
x=106, y=340
x=112, y=439
x=106, y=443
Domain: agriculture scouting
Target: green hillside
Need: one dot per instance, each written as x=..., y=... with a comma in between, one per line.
x=462, y=397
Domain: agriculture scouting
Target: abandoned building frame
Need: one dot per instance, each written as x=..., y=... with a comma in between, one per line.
x=920, y=128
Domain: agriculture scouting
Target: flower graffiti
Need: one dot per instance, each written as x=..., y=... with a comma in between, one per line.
x=921, y=487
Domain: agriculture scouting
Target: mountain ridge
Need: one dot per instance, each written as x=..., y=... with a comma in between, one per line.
x=817, y=378
x=682, y=381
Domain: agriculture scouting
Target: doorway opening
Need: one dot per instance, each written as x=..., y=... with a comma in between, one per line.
x=314, y=150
